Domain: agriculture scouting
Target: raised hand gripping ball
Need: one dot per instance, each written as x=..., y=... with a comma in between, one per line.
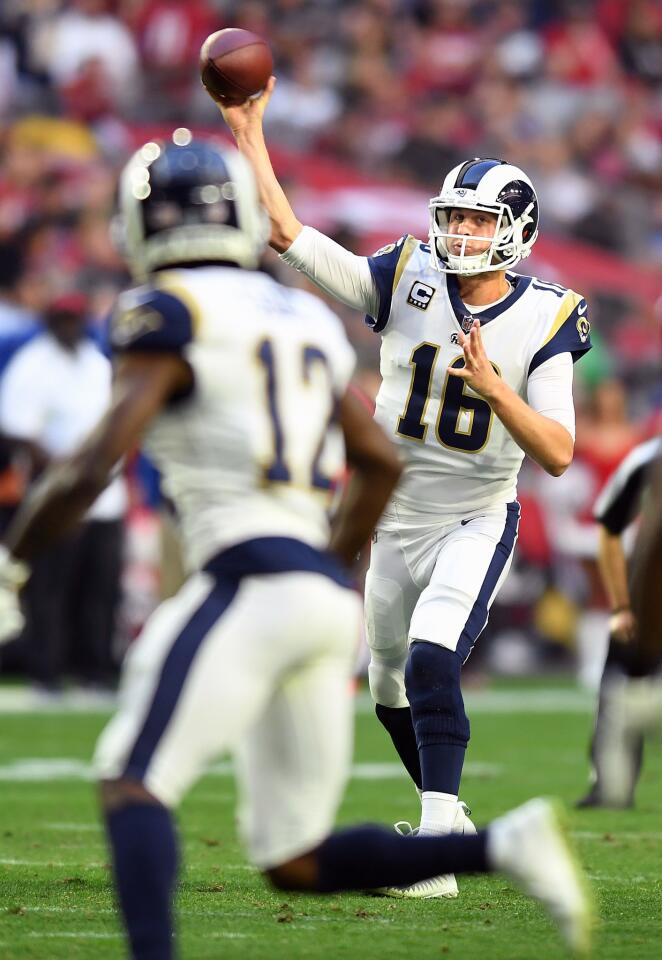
x=235, y=64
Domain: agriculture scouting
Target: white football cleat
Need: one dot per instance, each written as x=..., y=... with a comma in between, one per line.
x=529, y=846
x=441, y=887
x=445, y=885
x=462, y=823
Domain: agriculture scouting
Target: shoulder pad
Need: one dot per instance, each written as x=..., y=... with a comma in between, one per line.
x=387, y=266
x=569, y=331
x=147, y=318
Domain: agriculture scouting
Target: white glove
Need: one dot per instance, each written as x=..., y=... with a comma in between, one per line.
x=13, y=575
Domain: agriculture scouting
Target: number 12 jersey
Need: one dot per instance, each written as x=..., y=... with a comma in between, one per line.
x=256, y=449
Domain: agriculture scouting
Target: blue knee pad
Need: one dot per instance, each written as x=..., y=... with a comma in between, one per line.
x=432, y=682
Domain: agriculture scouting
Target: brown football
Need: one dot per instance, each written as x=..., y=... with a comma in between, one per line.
x=235, y=64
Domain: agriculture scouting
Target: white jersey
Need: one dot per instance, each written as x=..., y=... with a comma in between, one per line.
x=255, y=449
x=459, y=456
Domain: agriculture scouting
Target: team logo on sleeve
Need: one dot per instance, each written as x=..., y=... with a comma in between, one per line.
x=583, y=326
x=389, y=248
x=135, y=323
x=420, y=295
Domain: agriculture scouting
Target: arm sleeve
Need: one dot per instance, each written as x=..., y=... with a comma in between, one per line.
x=619, y=501
x=569, y=332
x=337, y=271
x=150, y=319
x=549, y=391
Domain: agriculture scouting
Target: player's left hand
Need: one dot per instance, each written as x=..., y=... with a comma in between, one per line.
x=477, y=372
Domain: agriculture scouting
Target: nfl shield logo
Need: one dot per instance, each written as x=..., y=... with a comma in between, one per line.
x=466, y=324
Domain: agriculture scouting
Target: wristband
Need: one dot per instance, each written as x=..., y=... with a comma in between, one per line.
x=623, y=609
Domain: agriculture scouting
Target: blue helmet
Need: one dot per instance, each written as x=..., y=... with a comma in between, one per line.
x=189, y=201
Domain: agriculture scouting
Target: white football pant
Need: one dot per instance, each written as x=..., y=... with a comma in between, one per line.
x=261, y=669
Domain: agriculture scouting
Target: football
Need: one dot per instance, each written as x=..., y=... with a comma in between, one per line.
x=235, y=64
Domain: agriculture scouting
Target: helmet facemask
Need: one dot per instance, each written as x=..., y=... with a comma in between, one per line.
x=495, y=187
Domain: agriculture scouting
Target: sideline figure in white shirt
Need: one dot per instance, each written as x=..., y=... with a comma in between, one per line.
x=476, y=365
x=54, y=391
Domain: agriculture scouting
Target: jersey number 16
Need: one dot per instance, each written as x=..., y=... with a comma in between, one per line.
x=469, y=436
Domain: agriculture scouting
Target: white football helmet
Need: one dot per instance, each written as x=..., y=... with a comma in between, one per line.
x=189, y=201
x=495, y=187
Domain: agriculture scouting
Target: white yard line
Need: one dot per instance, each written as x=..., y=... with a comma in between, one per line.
x=625, y=881
x=74, y=935
x=229, y=935
x=37, y=769
x=69, y=864
x=72, y=910
x=40, y=770
x=543, y=700
x=615, y=836
x=74, y=827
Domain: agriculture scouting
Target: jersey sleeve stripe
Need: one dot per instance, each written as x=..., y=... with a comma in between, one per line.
x=408, y=248
x=169, y=282
x=387, y=267
x=569, y=333
x=570, y=303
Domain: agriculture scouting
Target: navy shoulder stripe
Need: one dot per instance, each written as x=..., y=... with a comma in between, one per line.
x=384, y=266
x=150, y=319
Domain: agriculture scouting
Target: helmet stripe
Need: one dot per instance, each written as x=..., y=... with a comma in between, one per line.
x=473, y=171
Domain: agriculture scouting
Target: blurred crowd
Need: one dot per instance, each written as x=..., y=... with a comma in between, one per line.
x=395, y=91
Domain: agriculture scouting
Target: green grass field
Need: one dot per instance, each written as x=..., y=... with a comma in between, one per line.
x=56, y=900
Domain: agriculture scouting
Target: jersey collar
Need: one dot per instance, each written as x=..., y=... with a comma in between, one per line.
x=520, y=286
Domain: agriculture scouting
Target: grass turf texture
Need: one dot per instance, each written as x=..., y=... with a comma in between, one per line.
x=56, y=900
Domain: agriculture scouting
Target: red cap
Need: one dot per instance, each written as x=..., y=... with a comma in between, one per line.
x=73, y=301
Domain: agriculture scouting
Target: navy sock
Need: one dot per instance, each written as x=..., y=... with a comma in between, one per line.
x=144, y=848
x=441, y=767
x=432, y=679
x=399, y=724
x=362, y=858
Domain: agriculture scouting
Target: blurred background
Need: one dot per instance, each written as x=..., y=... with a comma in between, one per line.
x=376, y=100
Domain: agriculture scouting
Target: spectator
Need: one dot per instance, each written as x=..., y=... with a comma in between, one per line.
x=16, y=319
x=54, y=391
x=88, y=30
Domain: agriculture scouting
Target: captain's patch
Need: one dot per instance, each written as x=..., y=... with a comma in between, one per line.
x=420, y=295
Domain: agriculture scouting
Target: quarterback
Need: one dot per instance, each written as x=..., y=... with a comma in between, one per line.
x=245, y=409
x=476, y=366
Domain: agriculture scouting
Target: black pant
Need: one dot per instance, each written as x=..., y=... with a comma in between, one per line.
x=70, y=603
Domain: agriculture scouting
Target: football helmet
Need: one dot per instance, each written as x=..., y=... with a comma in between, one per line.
x=189, y=201
x=494, y=186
